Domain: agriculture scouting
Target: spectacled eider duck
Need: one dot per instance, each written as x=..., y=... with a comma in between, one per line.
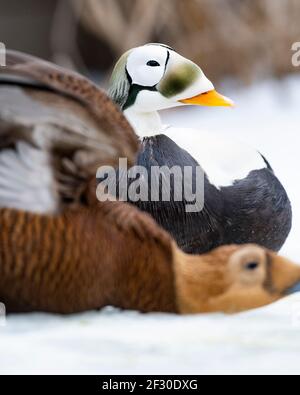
x=62, y=251
x=244, y=200
x=85, y=260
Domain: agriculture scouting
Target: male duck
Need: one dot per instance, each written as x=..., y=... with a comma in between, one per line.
x=64, y=252
x=244, y=202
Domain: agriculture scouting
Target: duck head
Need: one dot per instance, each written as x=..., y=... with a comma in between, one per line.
x=154, y=77
x=232, y=279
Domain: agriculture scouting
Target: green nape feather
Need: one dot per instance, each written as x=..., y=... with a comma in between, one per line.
x=119, y=85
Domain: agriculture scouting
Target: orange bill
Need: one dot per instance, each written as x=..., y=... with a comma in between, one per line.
x=210, y=99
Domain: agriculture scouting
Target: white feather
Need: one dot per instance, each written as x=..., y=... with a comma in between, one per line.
x=26, y=180
x=224, y=160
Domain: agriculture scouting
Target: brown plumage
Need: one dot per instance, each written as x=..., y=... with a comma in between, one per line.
x=115, y=255
x=62, y=112
x=79, y=88
x=85, y=259
x=87, y=255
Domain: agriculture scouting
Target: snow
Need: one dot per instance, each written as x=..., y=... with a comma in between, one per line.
x=265, y=341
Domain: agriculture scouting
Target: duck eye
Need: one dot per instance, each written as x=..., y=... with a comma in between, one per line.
x=153, y=63
x=251, y=266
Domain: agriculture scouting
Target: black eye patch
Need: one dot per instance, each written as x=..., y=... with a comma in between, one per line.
x=251, y=266
x=153, y=63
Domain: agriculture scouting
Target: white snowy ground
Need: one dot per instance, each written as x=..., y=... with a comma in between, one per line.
x=266, y=341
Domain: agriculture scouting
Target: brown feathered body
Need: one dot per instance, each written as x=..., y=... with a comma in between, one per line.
x=84, y=260
x=113, y=255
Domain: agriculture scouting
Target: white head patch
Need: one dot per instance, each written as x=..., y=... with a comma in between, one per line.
x=146, y=65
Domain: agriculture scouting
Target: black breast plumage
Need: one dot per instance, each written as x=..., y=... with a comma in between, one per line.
x=253, y=210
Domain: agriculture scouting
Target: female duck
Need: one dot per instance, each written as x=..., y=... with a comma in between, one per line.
x=244, y=202
x=85, y=260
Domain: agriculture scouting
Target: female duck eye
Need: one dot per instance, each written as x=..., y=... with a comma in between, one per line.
x=251, y=266
x=153, y=63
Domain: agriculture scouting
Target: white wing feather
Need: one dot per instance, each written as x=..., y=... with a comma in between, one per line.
x=26, y=180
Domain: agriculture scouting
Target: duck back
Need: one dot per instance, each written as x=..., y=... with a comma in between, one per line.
x=255, y=209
